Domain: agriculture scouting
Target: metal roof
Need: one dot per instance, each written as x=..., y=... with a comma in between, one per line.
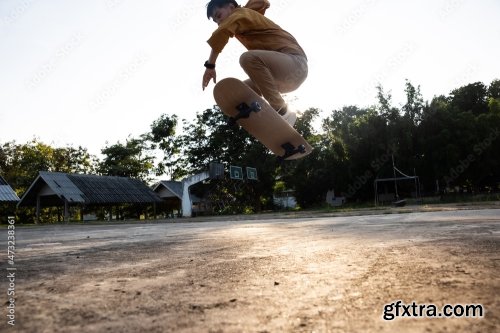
x=108, y=189
x=175, y=188
x=55, y=187
x=7, y=194
x=62, y=185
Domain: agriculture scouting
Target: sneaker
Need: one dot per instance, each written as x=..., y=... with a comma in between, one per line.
x=289, y=115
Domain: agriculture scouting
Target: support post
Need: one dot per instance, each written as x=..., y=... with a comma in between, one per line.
x=66, y=210
x=38, y=204
x=187, y=204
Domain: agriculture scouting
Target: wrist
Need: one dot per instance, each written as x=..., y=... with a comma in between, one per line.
x=209, y=65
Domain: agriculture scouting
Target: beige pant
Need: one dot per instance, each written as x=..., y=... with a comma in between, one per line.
x=273, y=73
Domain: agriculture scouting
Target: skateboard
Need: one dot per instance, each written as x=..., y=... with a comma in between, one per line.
x=245, y=107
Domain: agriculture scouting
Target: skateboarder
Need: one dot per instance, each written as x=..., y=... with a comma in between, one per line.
x=274, y=62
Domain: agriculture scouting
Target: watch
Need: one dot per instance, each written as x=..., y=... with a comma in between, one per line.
x=209, y=66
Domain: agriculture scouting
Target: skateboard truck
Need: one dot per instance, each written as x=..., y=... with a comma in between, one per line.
x=291, y=150
x=244, y=112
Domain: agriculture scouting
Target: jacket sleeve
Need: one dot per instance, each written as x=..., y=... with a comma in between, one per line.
x=229, y=28
x=258, y=5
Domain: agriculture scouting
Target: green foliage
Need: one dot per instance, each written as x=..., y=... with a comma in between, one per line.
x=127, y=160
x=414, y=106
x=21, y=163
x=494, y=105
x=313, y=176
x=457, y=138
x=163, y=137
x=211, y=139
x=494, y=89
x=470, y=98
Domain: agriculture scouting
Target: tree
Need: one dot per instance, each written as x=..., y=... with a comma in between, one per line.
x=210, y=139
x=494, y=97
x=73, y=160
x=494, y=89
x=389, y=112
x=470, y=98
x=313, y=176
x=21, y=163
x=163, y=137
x=127, y=160
x=414, y=103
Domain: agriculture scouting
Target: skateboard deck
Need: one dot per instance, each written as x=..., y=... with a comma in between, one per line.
x=243, y=106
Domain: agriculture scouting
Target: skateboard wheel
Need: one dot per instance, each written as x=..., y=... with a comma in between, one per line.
x=231, y=122
x=256, y=106
x=301, y=149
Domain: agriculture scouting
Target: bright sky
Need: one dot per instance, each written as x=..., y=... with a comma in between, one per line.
x=87, y=72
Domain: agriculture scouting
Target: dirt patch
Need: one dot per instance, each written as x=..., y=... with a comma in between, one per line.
x=327, y=274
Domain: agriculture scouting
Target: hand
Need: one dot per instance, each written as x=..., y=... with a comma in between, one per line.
x=210, y=74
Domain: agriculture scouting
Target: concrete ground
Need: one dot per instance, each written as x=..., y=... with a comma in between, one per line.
x=274, y=273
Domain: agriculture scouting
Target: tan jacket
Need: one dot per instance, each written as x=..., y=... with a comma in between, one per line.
x=254, y=31
x=258, y=5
